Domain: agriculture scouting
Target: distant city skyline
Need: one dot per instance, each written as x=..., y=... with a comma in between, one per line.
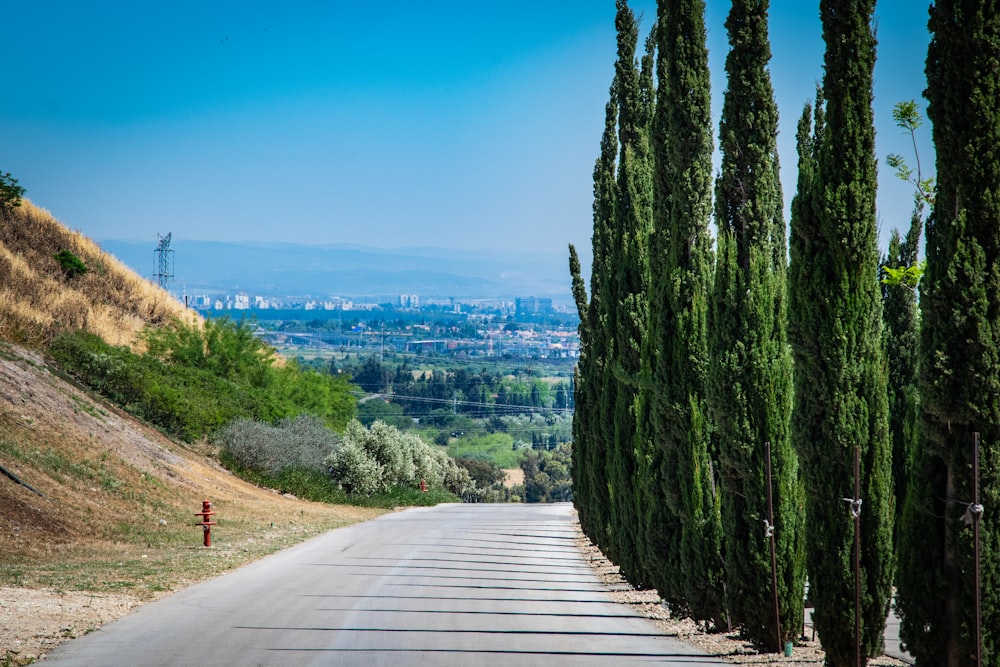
x=391, y=124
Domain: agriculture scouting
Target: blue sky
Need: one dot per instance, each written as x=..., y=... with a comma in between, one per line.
x=466, y=125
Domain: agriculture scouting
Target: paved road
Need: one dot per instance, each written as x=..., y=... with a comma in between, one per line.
x=455, y=585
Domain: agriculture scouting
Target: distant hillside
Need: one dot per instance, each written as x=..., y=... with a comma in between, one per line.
x=352, y=271
x=39, y=297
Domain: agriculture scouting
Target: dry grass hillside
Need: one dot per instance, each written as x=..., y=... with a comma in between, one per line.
x=103, y=516
x=38, y=300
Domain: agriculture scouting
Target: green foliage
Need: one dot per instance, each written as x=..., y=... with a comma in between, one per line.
x=483, y=473
x=902, y=342
x=302, y=442
x=959, y=369
x=329, y=397
x=10, y=194
x=896, y=271
x=627, y=306
x=750, y=379
x=379, y=410
x=374, y=460
x=72, y=265
x=185, y=402
x=547, y=476
x=489, y=482
x=905, y=276
x=683, y=543
x=223, y=347
x=907, y=118
x=317, y=486
x=189, y=385
x=372, y=377
x=497, y=448
x=835, y=326
x=593, y=416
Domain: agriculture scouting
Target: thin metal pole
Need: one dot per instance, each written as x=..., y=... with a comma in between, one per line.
x=976, y=514
x=774, y=561
x=857, y=555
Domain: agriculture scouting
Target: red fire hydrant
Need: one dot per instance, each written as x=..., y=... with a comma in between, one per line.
x=423, y=485
x=205, y=513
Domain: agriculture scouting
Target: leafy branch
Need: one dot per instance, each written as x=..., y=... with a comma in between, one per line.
x=908, y=119
x=908, y=276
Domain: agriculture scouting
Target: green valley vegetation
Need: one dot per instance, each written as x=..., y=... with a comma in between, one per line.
x=276, y=424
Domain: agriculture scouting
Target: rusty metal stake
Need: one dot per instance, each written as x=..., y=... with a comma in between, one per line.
x=205, y=523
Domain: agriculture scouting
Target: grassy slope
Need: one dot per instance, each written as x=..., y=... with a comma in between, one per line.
x=118, y=498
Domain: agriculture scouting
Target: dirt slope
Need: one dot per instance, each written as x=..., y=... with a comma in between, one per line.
x=110, y=522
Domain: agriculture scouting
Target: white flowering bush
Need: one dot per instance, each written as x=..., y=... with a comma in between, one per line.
x=356, y=470
x=375, y=459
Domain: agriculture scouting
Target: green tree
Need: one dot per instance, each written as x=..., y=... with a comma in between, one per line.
x=547, y=476
x=959, y=375
x=750, y=386
x=10, y=195
x=593, y=416
x=902, y=343
x=689, y=574
x=373, y=377
x=835, y=326
x=633, y=221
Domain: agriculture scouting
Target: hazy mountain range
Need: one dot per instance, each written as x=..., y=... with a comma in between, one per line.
x=212, y=267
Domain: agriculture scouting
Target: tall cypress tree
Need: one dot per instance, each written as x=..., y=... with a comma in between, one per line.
x=750, y=386
x=633, y=221
x=679, y=291
x=902, y=332
x=584, y=399
x=835, y=327
x=592, y=416
x=960, y=352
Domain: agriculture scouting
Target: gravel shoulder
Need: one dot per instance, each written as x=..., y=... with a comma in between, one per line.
x=727, y=645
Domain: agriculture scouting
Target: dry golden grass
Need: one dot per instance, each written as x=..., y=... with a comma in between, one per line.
x=38, y=301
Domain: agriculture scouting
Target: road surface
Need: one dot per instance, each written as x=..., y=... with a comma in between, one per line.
x=450, y=585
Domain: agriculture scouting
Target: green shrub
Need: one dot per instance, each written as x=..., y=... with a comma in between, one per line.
x=72, y=265
x=383, y=457
x=547, y=475
x=185, y=402
x=301, y=442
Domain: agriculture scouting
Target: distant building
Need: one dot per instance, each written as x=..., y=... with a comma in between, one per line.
x=533, y=306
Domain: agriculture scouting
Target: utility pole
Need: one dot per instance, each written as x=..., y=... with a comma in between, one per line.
x=164, y=260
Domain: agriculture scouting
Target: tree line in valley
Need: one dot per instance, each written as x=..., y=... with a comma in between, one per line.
x=767, y=408
x=478, y=394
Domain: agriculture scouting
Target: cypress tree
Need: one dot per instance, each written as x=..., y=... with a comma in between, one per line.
x=902, y=332
x=835, y=326
x=593, y=419
x=582, y=424
x=680, y=282
x=959, y=376
x=750, y=386
x=632, y=223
